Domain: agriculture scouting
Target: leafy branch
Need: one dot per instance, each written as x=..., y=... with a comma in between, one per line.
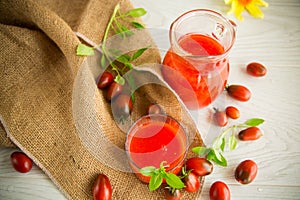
x=158, y=174
x=111, y=56
x=214, y=153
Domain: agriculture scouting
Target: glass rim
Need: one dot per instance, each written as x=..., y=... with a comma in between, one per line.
x=211, y=13
x=150, y=116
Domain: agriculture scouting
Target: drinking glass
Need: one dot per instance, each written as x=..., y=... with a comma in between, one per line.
x=155, y=139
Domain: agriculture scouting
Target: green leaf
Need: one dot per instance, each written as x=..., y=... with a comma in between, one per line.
x=103, y=61
x=222, y=146
x=84, y=50
x=137, y=25
x=211, y=155
x=254, y=122
x=232, y=142
x=136, y=12
x=114, y=51
x=119, y=79
x=125, y=30
x=173, y=181
x=133, y=98
x=221, y=159
x=123, y=58
x=201, y=150
x=217, y=142
x=129, y=33
x=138, y=53
x=148, y=171
x=217, y=157
x=155, y=181
x=128, y=65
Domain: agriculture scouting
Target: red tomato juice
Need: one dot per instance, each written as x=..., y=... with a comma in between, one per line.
x=153, y=141
x=198, y=78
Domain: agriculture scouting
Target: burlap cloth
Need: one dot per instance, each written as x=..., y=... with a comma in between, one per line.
x=38, y=72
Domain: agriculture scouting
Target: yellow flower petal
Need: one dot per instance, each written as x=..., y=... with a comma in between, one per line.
x=227, y=1
x=238, y=9
x=252, y=6
x=261, y=3
x=232, y=8
x=255, y=11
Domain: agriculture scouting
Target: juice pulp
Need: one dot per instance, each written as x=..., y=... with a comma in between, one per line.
x=153, y=140
x=198, y=81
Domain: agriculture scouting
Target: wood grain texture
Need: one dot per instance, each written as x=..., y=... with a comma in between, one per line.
x=273, y=41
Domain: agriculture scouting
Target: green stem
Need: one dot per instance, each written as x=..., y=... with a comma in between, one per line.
x=227, y=130
x=121, y=16
x=117, y=7
x=114, y=29
x=234, y=130
x=120, y=28
x=104, y=51
x=115, y=68
x=242, y=126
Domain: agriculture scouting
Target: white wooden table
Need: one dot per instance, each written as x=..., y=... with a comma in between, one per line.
x=273, y=41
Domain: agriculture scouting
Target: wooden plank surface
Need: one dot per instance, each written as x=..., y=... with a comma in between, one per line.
x=273, y=41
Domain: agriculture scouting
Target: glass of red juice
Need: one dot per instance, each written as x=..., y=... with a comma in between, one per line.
x=154, y=139
x=196, y=66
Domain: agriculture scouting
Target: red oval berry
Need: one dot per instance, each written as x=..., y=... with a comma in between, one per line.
x=172, y=195
x=104, y=80
x=239, y=92
x=191, y=182
x=220, y=118
x=21, y=162
x=122, y=105
x=251, y=133
x=219, y=191
x=199, y=166
x=102, y=188
x=154, y=109
x=246, y=172
x=114, y=90
x=232, y=112
x=256, y=69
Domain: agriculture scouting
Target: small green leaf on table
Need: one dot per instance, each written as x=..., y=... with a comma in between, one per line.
x=84, y=50
x=136, y=12
x=254, y=122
